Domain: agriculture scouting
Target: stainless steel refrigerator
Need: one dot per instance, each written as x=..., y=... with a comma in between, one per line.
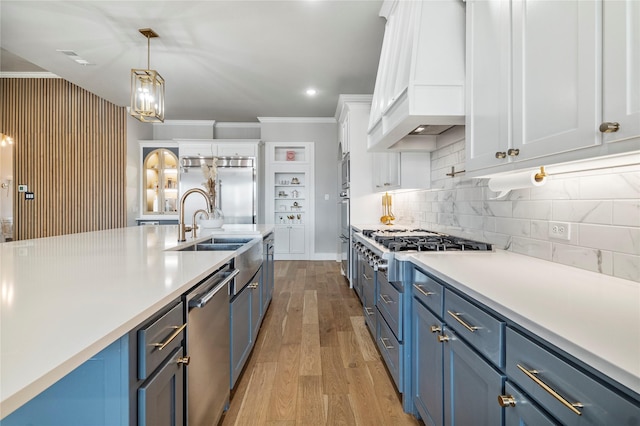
x=235, y=187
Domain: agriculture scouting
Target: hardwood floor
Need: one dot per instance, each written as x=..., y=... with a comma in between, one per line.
x=315, y=362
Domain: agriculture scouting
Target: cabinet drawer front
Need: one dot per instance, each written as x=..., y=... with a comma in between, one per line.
x=158, y=339
x=428, y=291
x=483, y=331
x=390, y=305
x=391, y=351
x=555, y=381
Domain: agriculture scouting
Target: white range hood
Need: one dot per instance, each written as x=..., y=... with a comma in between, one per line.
x=419, y=92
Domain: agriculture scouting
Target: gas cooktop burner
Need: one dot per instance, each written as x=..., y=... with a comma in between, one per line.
x=423, y=240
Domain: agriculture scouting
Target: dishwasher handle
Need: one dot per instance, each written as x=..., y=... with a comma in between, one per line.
x=202, y=301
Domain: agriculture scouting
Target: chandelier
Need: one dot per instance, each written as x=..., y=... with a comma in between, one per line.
x=147, y=89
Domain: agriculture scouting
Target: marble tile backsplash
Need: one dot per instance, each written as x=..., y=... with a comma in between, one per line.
x=602, y=208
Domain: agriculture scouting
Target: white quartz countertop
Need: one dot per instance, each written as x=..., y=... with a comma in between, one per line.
x=64, y=299
x=591, y=316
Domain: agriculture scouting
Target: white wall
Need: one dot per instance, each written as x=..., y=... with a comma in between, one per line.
x=324, y=134
x=602, y=207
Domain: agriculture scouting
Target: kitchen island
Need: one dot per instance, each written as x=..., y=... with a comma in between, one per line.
x=64, y=299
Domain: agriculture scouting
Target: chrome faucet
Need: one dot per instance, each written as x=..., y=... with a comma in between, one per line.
x=182, y=228
x=193, y=221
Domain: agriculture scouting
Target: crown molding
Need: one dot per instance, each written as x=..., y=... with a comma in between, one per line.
x=31, y=74
x=297, y=120
x=237, y=124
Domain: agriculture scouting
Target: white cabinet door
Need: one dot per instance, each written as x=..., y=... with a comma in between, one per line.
x=621, y=68
x=281, y=239
x=556, y=76
x=386, y=171
x=487, y=89
x=197, y=149
x=237, y=149
x=296, y=239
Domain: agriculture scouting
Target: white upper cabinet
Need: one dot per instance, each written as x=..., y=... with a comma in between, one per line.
x=535, y=89
x=556, y=79
x=420, y=77
x=621, y=68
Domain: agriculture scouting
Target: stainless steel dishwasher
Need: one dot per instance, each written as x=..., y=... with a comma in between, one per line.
x=208, y=348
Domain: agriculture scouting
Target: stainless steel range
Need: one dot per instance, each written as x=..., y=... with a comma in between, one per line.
x=380, y=247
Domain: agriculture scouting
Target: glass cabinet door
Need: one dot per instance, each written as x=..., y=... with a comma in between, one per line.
x=160, y=177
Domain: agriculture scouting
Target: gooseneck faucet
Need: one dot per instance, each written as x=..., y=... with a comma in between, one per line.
x=182, y=229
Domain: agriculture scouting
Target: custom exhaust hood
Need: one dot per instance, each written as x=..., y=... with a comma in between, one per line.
x=419, y=92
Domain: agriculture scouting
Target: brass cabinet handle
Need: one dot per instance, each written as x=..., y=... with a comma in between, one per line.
x=609, y=127
x=385, y=299
x=365, y=277
x=435, y=329
x=532, y=375
x=175, y=334
x=421, y=290
x=443, y=338
x=253, y=286
x=184, y=360
x=455, y=316
x=513, y=152
x=501, y=154
x=506, y=401
x=382, y=339
x=368, y=311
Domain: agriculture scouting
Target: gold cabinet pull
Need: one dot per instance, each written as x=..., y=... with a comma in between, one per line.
x=185, y=360
x=609, y=127
x=368, y=311
x=513, y=152
x=178, y=330
x=253, y=286
x=435, y=329
x=387, y=347
x=365, y=277
x=422, y=290
x=385, y=299
x=443, y=338
x=455, y=316
x=506, y=401
x=501, y=154
x=532, y=375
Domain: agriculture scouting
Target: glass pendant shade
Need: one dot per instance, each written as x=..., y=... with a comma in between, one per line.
x=147, y=95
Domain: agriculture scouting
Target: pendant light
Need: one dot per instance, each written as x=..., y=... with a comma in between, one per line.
x=147, y=89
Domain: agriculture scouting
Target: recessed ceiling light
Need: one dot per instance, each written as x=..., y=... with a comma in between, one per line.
x=311, y=92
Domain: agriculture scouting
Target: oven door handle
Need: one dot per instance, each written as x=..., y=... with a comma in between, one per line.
x=202, y=301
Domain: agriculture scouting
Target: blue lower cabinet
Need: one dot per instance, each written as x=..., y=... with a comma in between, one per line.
x=95, y=393
x=471, y=386
x=240, y=324
x=520, y=411
x=161, y=397
x=428, y=366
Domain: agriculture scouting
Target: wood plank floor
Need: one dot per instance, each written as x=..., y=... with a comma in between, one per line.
x=315, y=362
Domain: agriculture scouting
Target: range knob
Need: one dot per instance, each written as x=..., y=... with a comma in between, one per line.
x=381, y=265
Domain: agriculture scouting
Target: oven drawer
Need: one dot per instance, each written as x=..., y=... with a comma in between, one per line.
x=159, y=339
x=390, y=305
x=483, y=331
x=601, y=406
x=428, y=291
x=391, y=350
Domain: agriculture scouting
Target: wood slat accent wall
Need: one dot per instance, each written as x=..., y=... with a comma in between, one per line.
x=70, y=149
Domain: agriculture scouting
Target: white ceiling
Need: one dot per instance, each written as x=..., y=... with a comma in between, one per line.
x=222, y=60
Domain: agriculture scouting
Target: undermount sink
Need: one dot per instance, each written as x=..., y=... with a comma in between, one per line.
x=218, y=243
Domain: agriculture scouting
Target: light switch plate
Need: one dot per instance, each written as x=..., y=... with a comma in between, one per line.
x=22, y=188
